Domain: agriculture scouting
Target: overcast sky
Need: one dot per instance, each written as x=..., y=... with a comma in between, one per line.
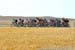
x=56, y=8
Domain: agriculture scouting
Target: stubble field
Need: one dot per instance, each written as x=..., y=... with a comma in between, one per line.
x=37, y=38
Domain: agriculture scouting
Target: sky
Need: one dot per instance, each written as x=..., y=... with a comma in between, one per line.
x=55, y=8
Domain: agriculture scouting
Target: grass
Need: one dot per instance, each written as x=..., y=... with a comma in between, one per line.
x=36, y=38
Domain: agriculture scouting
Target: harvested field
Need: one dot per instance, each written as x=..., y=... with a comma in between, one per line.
x=18, y=38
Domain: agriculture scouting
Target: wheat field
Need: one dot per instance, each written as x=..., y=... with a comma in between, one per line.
x=37, y=38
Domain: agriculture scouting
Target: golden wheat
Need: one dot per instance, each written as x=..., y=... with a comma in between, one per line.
x=36, y=38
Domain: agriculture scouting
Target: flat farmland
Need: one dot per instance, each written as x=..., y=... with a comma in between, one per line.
x=20, y=38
